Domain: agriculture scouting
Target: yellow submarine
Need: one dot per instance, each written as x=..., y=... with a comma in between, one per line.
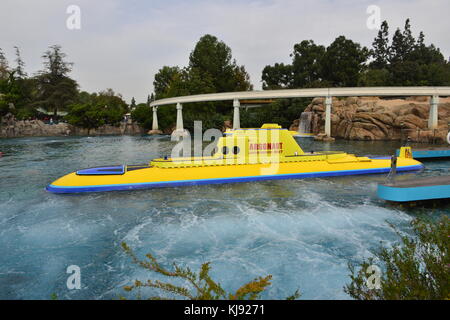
x=241, y=155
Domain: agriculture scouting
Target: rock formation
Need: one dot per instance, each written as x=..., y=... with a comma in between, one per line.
x=372, y=118
x=11, y=128
x=152, y=132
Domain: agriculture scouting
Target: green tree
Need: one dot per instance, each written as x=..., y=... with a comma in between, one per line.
x=163, y=80
x=4, y=66
x=307, y=64
x=241, y=79
x=20, y=68
x=278, y=76
x=143, y=115
x=418, y=268
x=414, y=63
x=211, y=69
x=213, y=59
x=424, y=54
x=375, y=78
x=380, y=51
x=178, y=86
x=408, y=39
x=305, y=71
x=149, y=100
x=17, y=92
x=114, y=107
x=94, y=110
x=25, y=103
x=9, y=93
x=55, y=89
x=343, y=62
x=399, y=48
x=132, y=104
x=86, y=115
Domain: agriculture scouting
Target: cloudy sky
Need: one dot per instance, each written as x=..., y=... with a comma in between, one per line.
x=122, y=44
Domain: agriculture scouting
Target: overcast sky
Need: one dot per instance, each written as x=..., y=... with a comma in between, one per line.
x=122, y=44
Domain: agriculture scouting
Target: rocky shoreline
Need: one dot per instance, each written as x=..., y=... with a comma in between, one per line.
x=12, y=128
x=373, y=118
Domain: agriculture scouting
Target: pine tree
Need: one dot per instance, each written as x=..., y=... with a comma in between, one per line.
x=20, y=69
x=380, y=51
x=55, y=89
x=4, y=67
x=421, y=40
x=397, y=52
x=54, y=62
x=133, y=104
x=403, y=44
x=409, y=41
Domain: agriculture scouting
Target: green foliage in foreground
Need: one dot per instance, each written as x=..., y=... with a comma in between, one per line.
x=418, y=268
x=203, y=286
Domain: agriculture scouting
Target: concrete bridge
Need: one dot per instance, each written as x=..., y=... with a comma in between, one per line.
x=327, y=93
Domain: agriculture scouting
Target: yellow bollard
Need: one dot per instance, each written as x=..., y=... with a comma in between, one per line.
x=405, y=152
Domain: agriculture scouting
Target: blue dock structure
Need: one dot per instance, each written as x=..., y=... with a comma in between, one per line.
x=432, y=153
x=418, y=189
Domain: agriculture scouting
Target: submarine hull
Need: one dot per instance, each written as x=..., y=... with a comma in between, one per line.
x=124, y=178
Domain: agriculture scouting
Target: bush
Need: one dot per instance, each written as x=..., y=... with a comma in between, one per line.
x=85, y=116
x=202, y=286
x=419, y=268
x=143, y=115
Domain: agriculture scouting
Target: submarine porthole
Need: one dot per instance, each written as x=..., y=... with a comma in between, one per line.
x=236, y=150
x=225, y=150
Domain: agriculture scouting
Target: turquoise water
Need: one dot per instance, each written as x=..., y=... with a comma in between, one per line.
x=302, y=232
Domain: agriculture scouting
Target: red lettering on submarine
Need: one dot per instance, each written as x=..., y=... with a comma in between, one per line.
x=266, y=146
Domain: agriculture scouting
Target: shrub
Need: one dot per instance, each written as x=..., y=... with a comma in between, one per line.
x=203, y=287
x=418, y=268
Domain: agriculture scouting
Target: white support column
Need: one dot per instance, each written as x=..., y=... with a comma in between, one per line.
x=236, y=116
x=433, y=117
x=179, y=117
x=328, y=102
x=155, y=119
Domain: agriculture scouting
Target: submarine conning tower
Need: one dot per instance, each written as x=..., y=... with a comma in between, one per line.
x=270, y=140
x=267, y=144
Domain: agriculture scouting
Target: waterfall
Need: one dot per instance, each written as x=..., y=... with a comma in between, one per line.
x=305, y=122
